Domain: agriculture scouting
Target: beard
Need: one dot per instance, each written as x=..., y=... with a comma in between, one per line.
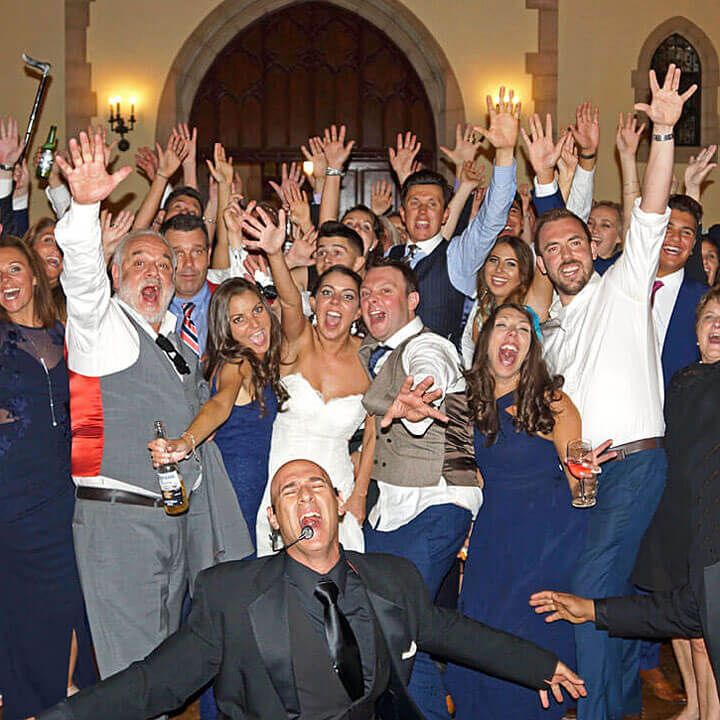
x=132, y=298
x=570, y=286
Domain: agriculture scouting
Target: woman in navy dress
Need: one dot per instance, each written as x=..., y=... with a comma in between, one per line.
x=43, y=629
x=243, y=366
x=527, y=533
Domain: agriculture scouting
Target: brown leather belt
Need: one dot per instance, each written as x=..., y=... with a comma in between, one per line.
x=117, y=496
x=633, y=447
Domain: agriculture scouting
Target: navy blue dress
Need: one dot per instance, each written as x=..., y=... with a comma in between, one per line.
x=41, y=602
x=244, y=441
x=527, y=537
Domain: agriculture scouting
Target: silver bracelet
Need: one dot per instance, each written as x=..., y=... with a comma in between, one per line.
x=334, y=171
x=662, y=138
x=9, y=167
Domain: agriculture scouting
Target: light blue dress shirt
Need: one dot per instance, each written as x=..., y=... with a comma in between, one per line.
x=199, y=314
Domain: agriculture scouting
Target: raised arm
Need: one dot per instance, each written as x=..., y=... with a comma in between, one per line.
x=169, y=161
x=697, y=170
x=337, y=152
x=466, y=148
x=627, y=140
x=470, y=176
x=467, y=252
x=262, y=234
x=664, y=111
x=189, y=163
x=222, y=172
x=402, y=157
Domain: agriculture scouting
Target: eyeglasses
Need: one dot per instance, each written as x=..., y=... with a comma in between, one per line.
x=169, y=349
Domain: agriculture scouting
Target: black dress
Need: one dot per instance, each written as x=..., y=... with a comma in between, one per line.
x=41, y=602
x=692, y=437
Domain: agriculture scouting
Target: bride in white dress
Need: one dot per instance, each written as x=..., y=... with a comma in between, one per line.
x=324, y=378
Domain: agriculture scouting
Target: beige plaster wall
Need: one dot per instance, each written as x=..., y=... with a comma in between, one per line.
x=599, y=44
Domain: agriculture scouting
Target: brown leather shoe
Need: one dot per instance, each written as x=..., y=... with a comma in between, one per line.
x=570, y=714
x=661, y=687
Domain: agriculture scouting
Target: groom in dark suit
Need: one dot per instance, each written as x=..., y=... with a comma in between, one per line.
x=313, y=632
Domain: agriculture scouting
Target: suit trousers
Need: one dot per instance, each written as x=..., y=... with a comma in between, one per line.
x=431, y=541
x=628, y=495
x=133, y=571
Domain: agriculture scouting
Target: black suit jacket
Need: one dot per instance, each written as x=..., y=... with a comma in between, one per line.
x=238, y=633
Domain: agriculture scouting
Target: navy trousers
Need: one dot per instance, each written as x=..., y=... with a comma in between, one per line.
x=431, y=541
x=628, y=495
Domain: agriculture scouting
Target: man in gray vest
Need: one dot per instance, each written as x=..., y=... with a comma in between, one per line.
x=125, y=372
x=425, y=470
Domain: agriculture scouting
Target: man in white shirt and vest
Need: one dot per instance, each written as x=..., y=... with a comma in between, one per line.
x=425, y=471
x=126, y=371
x=601, y=338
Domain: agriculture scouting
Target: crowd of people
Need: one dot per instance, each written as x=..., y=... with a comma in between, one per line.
x=346, y=387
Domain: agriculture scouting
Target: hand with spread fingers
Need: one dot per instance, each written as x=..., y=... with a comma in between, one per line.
x=414, y=404
x=628, y=135
x=86, y=173
x=402, y=158
x=502, y=132
x=586, y=133
x=466, y=147
x=260, y=232
x=381, y=197
x=336, y=150
x=146, y=161
x=697, y=170
x=316, y=156
x=666, y=104
x=543, y=153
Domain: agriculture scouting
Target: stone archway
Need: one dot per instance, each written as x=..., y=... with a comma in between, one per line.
x=391, y=16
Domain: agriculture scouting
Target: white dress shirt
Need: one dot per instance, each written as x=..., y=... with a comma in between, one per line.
x=581, y=192
x=603, y=342
x=662, y=309
x=428, y=354
x=99, y=337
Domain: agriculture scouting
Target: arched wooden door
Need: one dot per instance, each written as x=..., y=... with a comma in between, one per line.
x=298, y=70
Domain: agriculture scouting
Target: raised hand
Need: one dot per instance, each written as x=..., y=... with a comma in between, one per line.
x=170, y=158
x=478, y=197
x=292, y=175
x=586, y=130
x=256, y=267
x=336, y=150
x=666, y=103
x=403, y=157
x=113, y=230
x=189, y=142
x=414, y=404
x=563, y=606
x=146, y=161
x=10, y=145
x=299, y=207
x=466, y=147
x=302, y=251
x=86, y=174
x=260, y=232
x=525, y=196
x=563, y=677
x=543, y=153
x=567, y=164
x=628, y=135
x=232, y=217
x=107, y=148
x=381, y=197
x=222, y=170
x=504, y=122
x=698, y=169
x=316, y=156
x=471, y=175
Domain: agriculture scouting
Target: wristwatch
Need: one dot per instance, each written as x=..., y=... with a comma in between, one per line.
x=5, y=166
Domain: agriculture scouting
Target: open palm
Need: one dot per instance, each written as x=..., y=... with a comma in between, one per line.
x=666, y=104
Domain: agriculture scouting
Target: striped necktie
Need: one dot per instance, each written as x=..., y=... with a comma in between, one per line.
x=188, y=331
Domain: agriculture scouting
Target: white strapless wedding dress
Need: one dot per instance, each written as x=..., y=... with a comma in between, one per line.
x=312, y=429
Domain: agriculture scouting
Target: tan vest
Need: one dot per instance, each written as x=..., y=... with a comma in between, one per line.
x=404, y=459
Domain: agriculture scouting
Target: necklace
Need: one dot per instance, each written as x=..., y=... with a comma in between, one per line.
x=51, y=396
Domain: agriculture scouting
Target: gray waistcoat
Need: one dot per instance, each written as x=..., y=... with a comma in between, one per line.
x=132, y=400
x=404, y=459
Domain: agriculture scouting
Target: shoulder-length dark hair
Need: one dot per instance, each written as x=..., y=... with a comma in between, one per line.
x=56, y=291
x=223, y=348
x=43, y=304
x=525, y=268
x=536, y=390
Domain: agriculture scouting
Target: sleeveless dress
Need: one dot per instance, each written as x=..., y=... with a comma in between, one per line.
x=244, y=442
x=41, y=602
x=312, y=429
x=526, y=538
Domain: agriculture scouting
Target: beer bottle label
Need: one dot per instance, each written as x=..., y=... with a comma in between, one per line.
x=171, y=488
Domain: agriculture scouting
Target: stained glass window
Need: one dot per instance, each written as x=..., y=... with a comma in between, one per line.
x=676, y=49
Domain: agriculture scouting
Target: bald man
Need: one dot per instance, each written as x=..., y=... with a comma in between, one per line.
x=313, y=632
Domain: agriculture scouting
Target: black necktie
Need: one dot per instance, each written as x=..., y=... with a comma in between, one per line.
x=375, y=356
x=341, y=641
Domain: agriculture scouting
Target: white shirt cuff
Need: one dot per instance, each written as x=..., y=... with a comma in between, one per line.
x=20, y=203
x=546, y=189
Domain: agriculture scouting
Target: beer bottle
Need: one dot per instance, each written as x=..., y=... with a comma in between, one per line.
x=171, y=485
x=47, y=155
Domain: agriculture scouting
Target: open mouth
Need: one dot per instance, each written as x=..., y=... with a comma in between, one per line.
x=672, y=250
x=497, y=281
x=714, y=337
x=53, y=262
x=11, y=294
x=332, y=319
x=377, y=317
x=150, y=294
x=311, y=518
x=258, y=339
x=570, y=271
x=507, y=354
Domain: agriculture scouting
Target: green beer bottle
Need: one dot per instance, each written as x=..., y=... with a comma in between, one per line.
x=47, y=155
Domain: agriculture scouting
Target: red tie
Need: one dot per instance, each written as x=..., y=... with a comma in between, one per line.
x=188, y=331
x=656, y=286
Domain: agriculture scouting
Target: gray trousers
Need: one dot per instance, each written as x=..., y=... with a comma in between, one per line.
x=133, y=570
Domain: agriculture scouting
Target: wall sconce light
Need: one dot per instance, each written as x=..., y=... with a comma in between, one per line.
x=117, y=121
x=308, y=167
